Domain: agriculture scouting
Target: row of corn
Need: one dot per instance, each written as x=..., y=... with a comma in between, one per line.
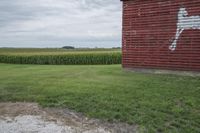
x=67, y=59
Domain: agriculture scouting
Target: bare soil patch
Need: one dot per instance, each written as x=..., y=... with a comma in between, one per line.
x=29, y=117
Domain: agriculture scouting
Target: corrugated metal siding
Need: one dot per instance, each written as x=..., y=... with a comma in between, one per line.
x=149, y=28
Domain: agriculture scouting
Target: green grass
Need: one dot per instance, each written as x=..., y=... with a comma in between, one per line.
x=60, y=56
x=157, y=103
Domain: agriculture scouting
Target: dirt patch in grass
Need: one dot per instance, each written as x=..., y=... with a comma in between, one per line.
x=29, y=117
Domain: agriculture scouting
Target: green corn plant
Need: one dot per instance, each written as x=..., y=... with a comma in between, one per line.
x=82, y=58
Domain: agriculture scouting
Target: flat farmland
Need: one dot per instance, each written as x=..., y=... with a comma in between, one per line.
x=60, y=56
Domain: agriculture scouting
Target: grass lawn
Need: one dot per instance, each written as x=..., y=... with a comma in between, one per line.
x=157, y=103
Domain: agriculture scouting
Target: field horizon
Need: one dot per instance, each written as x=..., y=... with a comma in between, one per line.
x=60, y=56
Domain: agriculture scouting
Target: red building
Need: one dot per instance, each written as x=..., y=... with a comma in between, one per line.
x=161, y=34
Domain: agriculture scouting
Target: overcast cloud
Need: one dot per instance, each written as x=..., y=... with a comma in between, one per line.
x=54, y=23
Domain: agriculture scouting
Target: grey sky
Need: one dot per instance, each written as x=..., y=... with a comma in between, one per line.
x=54, y=23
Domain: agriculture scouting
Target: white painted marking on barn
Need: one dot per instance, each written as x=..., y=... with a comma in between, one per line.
x=185, y=22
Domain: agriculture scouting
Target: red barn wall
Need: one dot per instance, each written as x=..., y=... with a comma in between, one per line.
x=149, y=29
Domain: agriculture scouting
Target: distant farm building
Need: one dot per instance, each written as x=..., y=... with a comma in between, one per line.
x=161, y=34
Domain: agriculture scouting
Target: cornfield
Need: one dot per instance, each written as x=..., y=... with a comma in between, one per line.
x=62, y=58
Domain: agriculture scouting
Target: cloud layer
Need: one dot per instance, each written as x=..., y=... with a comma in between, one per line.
x=54, y=23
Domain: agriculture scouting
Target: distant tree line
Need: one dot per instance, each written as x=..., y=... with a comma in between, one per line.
x=68, y=47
